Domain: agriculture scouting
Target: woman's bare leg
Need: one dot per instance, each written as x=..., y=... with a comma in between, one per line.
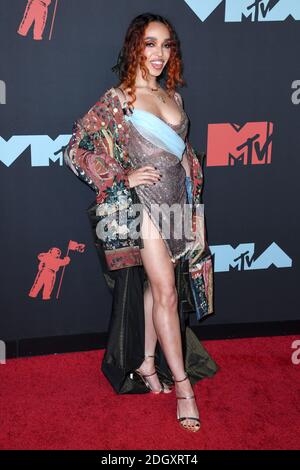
x=160, y=272
x=147, y=367
x=150, y=333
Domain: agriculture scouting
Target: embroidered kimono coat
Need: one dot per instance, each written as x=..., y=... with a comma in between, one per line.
x=97, y=154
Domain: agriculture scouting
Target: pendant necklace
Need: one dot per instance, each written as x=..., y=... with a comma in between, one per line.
x=160, y=97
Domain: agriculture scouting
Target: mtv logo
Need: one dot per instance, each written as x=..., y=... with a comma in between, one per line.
x=244, y=258
x=239, y=144
x=43, y=148
x=247, y=10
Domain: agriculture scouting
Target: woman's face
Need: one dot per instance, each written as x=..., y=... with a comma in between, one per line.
x=157, y=47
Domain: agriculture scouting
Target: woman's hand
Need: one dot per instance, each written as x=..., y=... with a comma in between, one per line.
x=143, y=175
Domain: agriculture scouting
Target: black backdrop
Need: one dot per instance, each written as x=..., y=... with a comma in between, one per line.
x=241, y=75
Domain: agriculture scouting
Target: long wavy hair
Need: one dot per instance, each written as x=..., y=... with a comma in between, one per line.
x=131, y=55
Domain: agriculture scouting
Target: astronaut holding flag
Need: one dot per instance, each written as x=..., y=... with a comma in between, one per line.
x=50, y=263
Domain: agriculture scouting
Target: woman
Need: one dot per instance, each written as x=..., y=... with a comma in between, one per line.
x=144, y=157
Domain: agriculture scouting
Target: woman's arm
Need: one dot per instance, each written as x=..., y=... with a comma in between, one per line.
x=90, y=155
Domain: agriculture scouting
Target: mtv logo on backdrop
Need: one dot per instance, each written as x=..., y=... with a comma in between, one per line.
x=43, y=148
x=242, y=258
x=248, y=10
x=239, y=144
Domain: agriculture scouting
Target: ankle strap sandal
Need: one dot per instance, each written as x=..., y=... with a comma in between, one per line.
x=194, y=427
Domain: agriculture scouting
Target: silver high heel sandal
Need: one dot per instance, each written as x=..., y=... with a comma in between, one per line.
x=163, y=388
x=190, y=427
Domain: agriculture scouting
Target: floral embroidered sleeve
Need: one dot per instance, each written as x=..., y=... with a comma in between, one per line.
x=92, y=155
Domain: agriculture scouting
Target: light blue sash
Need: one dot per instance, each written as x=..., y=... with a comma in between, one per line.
x=189, y=189
x=157, y=131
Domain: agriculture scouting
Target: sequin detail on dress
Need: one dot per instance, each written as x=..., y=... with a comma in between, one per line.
x=170, y=191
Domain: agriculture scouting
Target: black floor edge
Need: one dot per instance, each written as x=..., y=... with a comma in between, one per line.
x=91, y=341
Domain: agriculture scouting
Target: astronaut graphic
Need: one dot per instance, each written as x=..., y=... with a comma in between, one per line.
x=36, y=12
x=49, y=265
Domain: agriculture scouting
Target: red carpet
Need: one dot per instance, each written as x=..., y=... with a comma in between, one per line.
x=63, y=402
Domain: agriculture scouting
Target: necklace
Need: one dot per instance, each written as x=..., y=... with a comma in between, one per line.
x=160, y=97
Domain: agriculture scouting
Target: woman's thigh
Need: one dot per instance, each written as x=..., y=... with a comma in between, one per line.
x=156, y=259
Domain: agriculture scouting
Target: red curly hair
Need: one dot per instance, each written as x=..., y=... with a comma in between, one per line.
x=131, y=55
